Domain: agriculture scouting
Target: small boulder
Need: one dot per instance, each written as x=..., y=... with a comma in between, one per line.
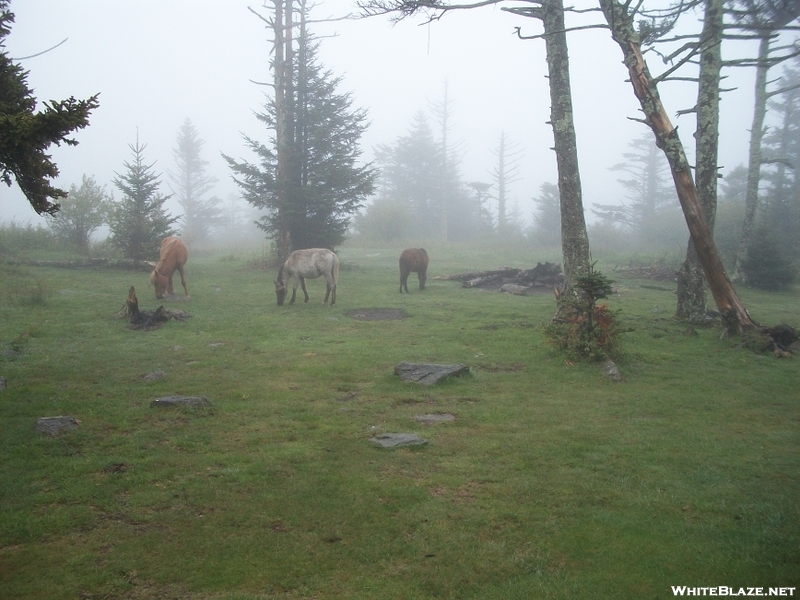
x=611, y=370
x=426, y=373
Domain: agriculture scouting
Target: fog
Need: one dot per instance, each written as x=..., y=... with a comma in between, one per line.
x=156, y=63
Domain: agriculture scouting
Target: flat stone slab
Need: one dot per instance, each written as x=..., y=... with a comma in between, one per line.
x=154, y=376
x=54, y=426
x=432, y=419
x=426, y=373
x=190, y=401
x=395, y=440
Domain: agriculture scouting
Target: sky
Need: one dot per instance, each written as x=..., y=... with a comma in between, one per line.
x=156, y=63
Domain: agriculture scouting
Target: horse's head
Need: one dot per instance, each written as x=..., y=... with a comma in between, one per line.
x=159, y=282
x=280, y=291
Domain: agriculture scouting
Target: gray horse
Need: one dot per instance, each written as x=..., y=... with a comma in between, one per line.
x=308, y=264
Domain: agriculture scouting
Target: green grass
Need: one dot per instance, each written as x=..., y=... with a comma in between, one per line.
x=552, y=482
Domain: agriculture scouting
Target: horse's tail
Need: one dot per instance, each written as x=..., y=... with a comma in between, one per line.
x=424, y=252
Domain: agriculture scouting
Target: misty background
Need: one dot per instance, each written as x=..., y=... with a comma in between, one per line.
x=156, y=64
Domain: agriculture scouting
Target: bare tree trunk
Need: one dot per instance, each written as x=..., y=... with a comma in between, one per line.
x=574, y=238
x=691, y=282
x=445, y=175
x=282, y=28
x=754, y=162
x=734, y=315
x=501, y=186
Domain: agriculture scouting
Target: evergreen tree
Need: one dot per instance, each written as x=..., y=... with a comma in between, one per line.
x=547, y=216
x=139, y=221
x=765, y=266
x=781, y=152
x=385, y=219
x=411, y=171
x=26, y=135
x=485, y=221
x=322, y=185
x=730, y=212
x=82, y=212
x=649, y=192
x=191, y=184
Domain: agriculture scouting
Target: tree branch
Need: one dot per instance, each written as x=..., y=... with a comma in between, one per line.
x=42, y=52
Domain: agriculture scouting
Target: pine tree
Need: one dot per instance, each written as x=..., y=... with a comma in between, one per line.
x=781, y=152
x=82, y=212
x=314, y=192
x=139, y=221
x=547, y=216
x=648, y=189
x=26, y=135
x=765, y=266
x=191, y=184
x=411, y=171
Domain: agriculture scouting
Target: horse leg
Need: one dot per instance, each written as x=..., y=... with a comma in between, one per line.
x=403, y=281
x=183, y=281
x=303, y=285
x=170, y=291
x=294, y=293
x=330, y=290
x=423, y=277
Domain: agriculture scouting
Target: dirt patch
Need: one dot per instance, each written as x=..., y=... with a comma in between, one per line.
x=377, y=314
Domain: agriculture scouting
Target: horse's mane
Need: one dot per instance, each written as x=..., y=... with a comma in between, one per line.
x=161, y=258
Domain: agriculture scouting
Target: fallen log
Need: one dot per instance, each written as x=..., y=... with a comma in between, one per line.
x=543, y=274
x=506, y=271
x=82, y=263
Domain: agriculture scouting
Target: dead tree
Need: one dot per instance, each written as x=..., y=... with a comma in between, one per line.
x=574, y=237
x=735, y=317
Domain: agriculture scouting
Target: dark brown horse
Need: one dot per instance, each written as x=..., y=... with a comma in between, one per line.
x=172, y=258
x=413, y=260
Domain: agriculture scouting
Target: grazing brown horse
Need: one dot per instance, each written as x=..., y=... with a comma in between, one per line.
x=413, y=260
x=308, y=264
x=172, y=258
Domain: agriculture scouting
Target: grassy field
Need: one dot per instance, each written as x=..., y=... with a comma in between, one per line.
x=551, y=482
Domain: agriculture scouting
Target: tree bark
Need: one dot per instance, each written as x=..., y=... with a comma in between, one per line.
x=574, y=238
x=734, y=315
x=282, y=126
x=691, y=282
x=754, y=160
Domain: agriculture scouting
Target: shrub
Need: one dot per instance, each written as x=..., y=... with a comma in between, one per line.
x=18, y=240
x=765, y=266
x=583, y=329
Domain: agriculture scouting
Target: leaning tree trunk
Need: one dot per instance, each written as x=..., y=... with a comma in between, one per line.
x=574, y=238
x=754, y=161
x=734, y=315
x=691, y=282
